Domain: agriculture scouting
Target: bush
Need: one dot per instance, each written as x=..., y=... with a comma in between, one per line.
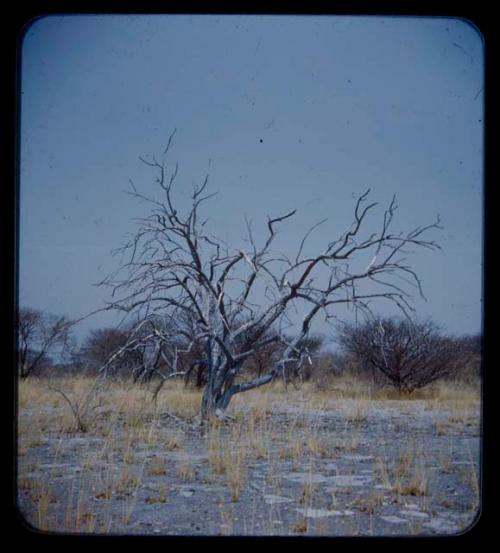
x=404, y=353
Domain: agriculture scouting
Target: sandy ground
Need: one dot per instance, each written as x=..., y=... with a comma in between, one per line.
x=380, y=468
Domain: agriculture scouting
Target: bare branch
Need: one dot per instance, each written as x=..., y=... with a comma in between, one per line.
x=170, y=138
x=224, y=306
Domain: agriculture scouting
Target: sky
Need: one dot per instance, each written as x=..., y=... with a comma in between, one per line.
x=282, y=112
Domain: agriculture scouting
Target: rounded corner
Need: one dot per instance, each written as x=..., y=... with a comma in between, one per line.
x=471, y=525
x=30, y=527
x=28, y=25
x=23, y=521
x=474, y=26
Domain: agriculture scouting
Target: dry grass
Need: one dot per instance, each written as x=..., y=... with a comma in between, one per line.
x=357, y=412
x=294, y=447
x=129, y=426
x=171, y=441
x=134, y=485
x=259, y=438
x=309, y=489
x=408, y=475
x=226, y=524
x=344, y=387
x=128, y=481
x=185, y=402
x=160, y=497
x=185, y=470
x=445, y=463
x=227, y=456
x=300, y=526
x=131, y=402
x=473, y=479
x=370, y=504
x=157, y=467
x=417, y=485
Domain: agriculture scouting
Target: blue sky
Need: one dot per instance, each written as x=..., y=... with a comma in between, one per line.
x=284, y=112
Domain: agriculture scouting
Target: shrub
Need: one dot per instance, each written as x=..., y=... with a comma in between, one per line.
x=407, y=354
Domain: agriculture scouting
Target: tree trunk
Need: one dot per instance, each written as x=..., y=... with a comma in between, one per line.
x=215, y=400
x=208, y=403
x=219, y=391
x=214, y=403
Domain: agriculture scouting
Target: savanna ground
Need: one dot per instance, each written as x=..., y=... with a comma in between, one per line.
x=352, y=460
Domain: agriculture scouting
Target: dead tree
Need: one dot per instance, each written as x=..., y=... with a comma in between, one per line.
x=175, y=268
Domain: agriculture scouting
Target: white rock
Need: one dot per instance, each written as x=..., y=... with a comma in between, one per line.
x=393, y=519
x=412, y=506
x=414, y=514
x=271, y=499
x=440, y=524
x=358, y=457
x=320, y=513
x=306, y=477
x=344, y=480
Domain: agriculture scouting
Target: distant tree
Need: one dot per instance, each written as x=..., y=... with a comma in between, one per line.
x=407, y=354
x=470, y=348
x=101, y=344
x=150, y=348
x=327, y=366
x=260, y=361
x=164, y=351
x=40, y=336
